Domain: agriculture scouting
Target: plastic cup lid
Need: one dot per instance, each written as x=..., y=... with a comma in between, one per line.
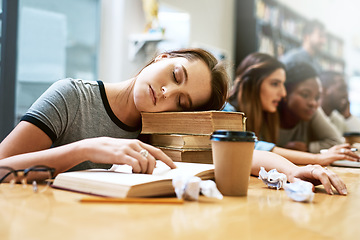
x=233, y=136
x=351, y=134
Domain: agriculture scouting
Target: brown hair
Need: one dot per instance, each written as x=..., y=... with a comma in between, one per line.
x=298, y=72
x=245, y=94
x=219, y=77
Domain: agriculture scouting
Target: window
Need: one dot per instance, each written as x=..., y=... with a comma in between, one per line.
x=56, y=39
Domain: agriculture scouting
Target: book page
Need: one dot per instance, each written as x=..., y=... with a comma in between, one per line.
x=183, y=168
x=110, y=178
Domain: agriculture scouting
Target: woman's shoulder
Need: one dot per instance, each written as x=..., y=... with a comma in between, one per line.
x=319, y=117
x=68, y=82
x=72, y=86
x=322, y=123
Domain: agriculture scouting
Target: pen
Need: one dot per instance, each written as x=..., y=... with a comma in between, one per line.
x=131, y=200
x=351, y=149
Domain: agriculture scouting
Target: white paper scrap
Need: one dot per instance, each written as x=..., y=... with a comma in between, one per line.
x=300, y=191
x=273, y=179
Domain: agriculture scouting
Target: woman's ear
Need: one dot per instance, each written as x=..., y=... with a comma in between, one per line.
x=161, y=56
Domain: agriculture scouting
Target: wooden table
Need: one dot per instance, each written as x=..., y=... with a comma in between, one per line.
x=263, y=214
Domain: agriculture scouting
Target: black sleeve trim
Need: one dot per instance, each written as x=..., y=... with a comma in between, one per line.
x=111, y=113
x=40, y=125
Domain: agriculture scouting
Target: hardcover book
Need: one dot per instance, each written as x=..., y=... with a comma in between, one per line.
x=180, y=140
x=192, y=155
x=201, y=122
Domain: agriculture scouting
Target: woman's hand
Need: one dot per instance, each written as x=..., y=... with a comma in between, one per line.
x=300, y=146
x=139, y=155
x=318, y=175
x=338, y=152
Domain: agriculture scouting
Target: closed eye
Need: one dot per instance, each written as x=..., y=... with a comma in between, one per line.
x=180, y=74
x=174, y=76
x=179, y=104
x=184, y=102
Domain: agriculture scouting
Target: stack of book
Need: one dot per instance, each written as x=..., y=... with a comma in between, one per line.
x=185, y=136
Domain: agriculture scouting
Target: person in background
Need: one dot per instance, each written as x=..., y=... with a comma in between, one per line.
x=257, y=90
x=335, y=102
x=313, y=38
x=83, y=124
x=303, y=125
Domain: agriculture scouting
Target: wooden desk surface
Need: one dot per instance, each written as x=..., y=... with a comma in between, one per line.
x=263, y=214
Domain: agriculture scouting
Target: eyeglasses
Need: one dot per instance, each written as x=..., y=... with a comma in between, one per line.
x=23, y=176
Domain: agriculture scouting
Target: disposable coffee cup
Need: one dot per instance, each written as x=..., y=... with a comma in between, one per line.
x=232, y=153
x=352, y=137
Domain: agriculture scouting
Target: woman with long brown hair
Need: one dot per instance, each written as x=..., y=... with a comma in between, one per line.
x=257, y=77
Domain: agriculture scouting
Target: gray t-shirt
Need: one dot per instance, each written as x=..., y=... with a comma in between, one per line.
x=319, y=133
x=72, y=110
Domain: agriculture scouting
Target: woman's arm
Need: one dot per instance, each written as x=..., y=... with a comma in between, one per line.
x=296, y=157
x=335, y=153
x=312, y=173
x=24, y=138
x=27, y=146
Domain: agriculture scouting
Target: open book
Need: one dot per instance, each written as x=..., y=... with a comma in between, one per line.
x=123, y=184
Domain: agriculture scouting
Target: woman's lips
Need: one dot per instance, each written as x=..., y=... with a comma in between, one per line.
x=152, y=94
x=310, y=112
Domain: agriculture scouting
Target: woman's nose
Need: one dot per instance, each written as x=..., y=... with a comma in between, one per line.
x=314, y=102
x=163, y=91
x=167, y=91
x=283, y=91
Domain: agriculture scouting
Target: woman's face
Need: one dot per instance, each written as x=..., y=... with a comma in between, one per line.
x=337, y=94
x=272, y=90
x=172, y=84
x=304, y=100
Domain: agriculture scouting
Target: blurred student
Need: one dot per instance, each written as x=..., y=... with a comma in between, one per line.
x=257, y=91
x=335, y=102
x=303, y=125
x=89, y=124
x=313, y=38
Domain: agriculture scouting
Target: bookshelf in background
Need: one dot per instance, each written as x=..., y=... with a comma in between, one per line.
x=271, y=27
